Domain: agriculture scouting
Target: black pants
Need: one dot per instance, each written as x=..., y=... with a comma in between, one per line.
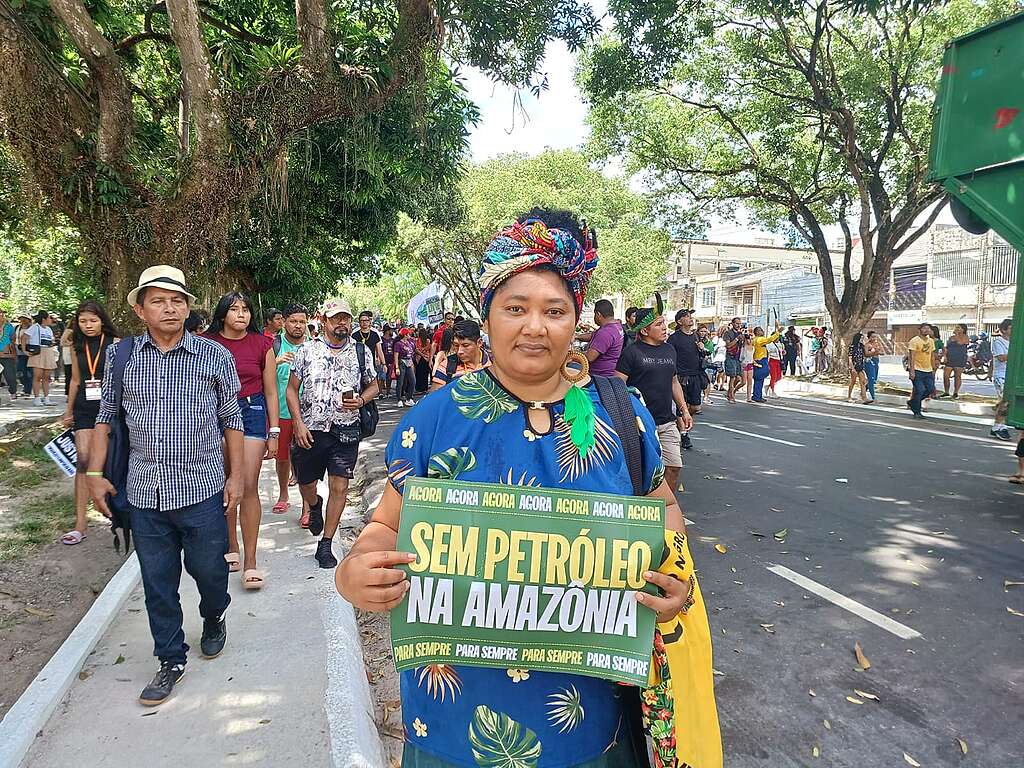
x=789, y=363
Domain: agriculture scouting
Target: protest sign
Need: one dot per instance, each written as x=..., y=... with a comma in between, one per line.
x=62, y=450
x=509, y=576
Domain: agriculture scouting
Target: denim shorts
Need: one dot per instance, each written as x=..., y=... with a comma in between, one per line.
x=733, y=367
x=254, y=416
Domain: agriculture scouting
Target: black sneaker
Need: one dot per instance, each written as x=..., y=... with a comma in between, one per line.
x=1000, y=434
x=954, y=397
x=316, y=517
x=687, y=443
x=215, y=634
x=324, y=556
x=160, y=687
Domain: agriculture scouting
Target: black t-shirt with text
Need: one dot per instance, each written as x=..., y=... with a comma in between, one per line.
x=688, y=353
x=651, y=369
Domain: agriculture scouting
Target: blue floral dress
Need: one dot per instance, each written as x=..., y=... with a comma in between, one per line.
x=475, y=430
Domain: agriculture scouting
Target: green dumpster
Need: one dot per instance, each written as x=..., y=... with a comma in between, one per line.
x=977, y=153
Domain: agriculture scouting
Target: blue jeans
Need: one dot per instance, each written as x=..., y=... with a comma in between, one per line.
x=761, y=371
x=25, y=374
x=201, y=531
x=924, y=383
x=871, y=372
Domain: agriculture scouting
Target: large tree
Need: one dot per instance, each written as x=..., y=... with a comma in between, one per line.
x=154, y=126
x=813, y=113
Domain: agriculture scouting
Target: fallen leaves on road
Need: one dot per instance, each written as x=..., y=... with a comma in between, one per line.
x=816, y=752
x=721, y=548
x=264, y=721
x=769, y=628
x=827, y=724
x=758, y=534
x=119, y=659
x=862, y=660
x=865, y=694
x=811, y=692
x=1013, y=611
x=911, y=761
x=780, y=604
x=717, y=673
x=963, y=746
x=36, y=612
x=842, y=480
x=781, y=535
x=83, y=675
x=715, y=477
x=853, y=700
x=1006, y=585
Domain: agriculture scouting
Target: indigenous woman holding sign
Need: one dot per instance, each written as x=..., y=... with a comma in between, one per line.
x=535, y=418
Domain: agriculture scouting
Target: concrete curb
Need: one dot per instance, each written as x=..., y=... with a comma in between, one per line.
x=33, y=708
x=794, y=386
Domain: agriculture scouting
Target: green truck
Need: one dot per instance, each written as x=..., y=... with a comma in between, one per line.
x=977, y=154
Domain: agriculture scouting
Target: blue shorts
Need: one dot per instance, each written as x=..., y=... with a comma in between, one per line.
x=254, y=416
x=733, y=367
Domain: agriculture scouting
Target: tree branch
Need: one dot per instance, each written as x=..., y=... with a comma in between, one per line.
x=204, y=94
x=117, y=120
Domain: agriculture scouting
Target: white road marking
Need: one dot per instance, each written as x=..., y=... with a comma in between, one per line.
x=859, y=609
x=989, y=441
x=751, y=434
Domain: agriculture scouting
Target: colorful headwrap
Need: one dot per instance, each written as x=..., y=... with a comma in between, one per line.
x=528, y=244
x=648, y=315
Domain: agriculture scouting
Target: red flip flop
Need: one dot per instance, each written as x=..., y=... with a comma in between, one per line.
x=280, y=508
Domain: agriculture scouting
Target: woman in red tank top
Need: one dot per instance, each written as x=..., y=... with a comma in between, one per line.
x=234, y=326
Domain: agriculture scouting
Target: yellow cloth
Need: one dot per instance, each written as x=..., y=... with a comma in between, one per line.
x=921, y=349
x=761, y=345
x=687, y=644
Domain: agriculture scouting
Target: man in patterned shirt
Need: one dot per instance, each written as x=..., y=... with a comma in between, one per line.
x=332, y=377
x=179, y=393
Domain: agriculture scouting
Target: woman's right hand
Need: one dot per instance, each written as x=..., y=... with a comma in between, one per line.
x=370, y=583
x=68, y=419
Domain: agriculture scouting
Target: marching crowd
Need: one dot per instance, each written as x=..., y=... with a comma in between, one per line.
x=172, y=428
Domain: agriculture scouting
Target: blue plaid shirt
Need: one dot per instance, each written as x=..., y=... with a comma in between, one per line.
x=176, y=405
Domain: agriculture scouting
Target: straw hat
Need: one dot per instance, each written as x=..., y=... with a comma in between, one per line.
x=161, y=276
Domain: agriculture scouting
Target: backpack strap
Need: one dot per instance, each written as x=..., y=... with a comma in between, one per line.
x=615, y=399
x=453, y=365
x=122, y=354
x=277, y=346
x=361, y=357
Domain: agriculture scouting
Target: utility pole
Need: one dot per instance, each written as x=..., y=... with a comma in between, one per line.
x=983, y=278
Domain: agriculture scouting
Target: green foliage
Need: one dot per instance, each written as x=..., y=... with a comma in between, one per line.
x=47, y=271
x=633, y=252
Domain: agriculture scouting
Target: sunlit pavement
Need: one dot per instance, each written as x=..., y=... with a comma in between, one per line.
x=913, y=528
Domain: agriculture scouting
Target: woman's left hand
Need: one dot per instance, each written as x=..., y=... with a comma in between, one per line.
x=271, y=448
x=676, y=593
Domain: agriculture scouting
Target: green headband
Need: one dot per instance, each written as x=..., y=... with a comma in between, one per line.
x=648, y=315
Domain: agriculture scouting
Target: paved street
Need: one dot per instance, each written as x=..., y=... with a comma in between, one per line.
x=923, y=532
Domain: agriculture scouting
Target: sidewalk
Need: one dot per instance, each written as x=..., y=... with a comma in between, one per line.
x=290, y=688
x=22, y=412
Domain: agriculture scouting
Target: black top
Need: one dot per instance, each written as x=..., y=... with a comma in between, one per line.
x=651, y=369
x=371, y=339
x=956, y=353
x=688, y=353
x=83, y=368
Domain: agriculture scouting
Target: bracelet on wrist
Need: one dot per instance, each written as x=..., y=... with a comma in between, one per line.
x=94, y=474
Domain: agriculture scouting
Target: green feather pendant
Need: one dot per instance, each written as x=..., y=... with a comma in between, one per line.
x=579, y=415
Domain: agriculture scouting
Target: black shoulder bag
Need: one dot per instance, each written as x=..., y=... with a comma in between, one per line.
x=116, y=467
x=369, y=416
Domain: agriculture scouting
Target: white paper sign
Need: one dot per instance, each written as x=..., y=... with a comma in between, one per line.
x=62, y=450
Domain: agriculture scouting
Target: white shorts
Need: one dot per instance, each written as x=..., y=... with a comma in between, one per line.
x=671, y=450
x=999, y=384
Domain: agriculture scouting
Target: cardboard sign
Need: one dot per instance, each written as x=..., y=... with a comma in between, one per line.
x=509, y=576
x=62, y=450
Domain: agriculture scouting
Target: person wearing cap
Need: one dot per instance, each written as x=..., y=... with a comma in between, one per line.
x=332, y=377
x=8, y=355
x=690, y=352
x=650, y=366
x=179, y=394
x=24, y=373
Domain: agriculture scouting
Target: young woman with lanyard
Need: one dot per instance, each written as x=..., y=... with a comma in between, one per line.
x=234, y=326
x=92, y=333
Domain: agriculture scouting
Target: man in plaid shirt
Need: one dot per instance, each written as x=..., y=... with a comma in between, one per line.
x=180, y=394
